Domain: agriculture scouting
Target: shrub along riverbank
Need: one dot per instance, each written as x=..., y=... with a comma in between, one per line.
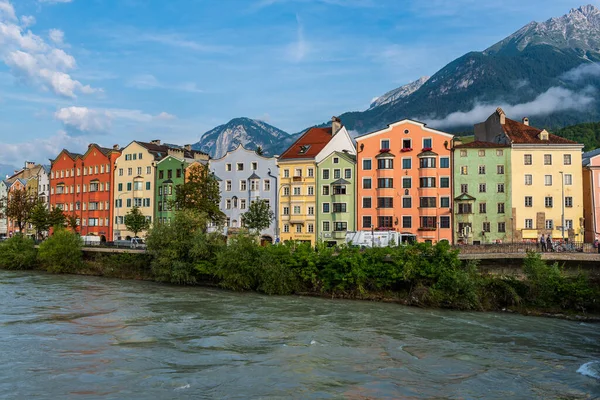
x=419, y=274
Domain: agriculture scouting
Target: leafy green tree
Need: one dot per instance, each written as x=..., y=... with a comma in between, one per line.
x=258, y=216
x=61, y=252
x=40, y=218
x=56, y=218
x=201, y=192
x=135, y=221
x=18, y=252
x=259, y=150
x=18, y=207
x=72, y=222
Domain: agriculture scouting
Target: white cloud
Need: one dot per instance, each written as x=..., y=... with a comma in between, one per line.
x=553, y=100
x=40, y=150
x=55, y=1
x=34, y=61
x=57, y=36
x=27, y=21
x=299, y=49
x=83, y=120
x=148, y=81
x=582, y=71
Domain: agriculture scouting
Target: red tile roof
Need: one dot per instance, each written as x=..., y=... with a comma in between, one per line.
x=520, y=133
x=479, y=144
x=315, y=138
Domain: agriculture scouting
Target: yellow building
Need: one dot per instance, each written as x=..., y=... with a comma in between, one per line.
x=546, y=178
x=297, y=180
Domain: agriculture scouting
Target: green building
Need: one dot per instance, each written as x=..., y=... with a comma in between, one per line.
x=336, y=197
x=170, y=173
x=482, y=208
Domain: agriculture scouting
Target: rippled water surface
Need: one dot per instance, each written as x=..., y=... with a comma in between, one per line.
x=86, y=338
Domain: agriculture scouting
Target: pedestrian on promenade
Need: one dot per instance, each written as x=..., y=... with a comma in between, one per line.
x=543, y=243
x=549, y=243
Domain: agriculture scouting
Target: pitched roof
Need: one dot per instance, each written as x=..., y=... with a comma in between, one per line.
x=308, y=145
x=340, y=181
x=478, y=144
x=253, y=176
x=588, y=155
x=464, y=197
x=160, y=151
x=519, y=133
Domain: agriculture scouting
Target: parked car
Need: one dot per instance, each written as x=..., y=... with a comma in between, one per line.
x=133, y=243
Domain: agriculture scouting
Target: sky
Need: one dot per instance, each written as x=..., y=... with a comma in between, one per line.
x=74, y=72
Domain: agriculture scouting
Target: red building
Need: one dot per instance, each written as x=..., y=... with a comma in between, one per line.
x=82, y=186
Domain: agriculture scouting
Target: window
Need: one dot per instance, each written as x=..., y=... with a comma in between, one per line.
x=296, y=210
x=366, y=164
x=482, y=208
x=529, y=180
x=444, y=162
x=311, y=191
x=298, y=172
x=407, y=222
x=385, y=202
x=548, y=180
x=325, y=174
x=427, y=202
x=445, y=202
x=528, y=223
x=501, y=227
x=337, y=173
x=407, y=144
x=566, y=159
x=297, y=190
x=129, y=184
x=481, y=153
x=339, y=189
x=139, y=171
x=326, y=226
x=385, y=182
x=568, y=224
x=482, y=188
x=129, y=171
x=267, y=185
x=228, y=204
x=445, y=182
x=500, y=169
x=243, y=185
x=286, y=173
x=427, y=182
x=367, y=202
x=428, y=222
x=384, y=222
x=385, y=144
x=136, y=185
x=298, y=228
x=325, y=190
x=549, y=224
x=427, y=143
x=547, y=159
x=501, y=188
x=254, y=166
x=243, y=204
x=406, y=163
x=120, y=186
x=463, y=153
x=528, y=201
x=445, y=222
x=228, y=186
x=336, y=160
x=465, y=208
x=286, y=228
x=366, y=183
x=148, y=187
x=367, y=222
x=286, y=210
x=326, y=208
x=161, y=174
x=347, y=173
x=486, y=227
x=482, y=170
x=500, y=208
x=178, y=173
x=406, y=183
x=311, y=210
x=385, y=163
x=310, y=172
x=137, y=202
x=548, y=201
x=464, y=170
x=527, y=159
x=499, y=153
x=464, y=188
x=286, y=190
x=427, y=162
x=407, y=202
x=568, y=179
x=568, y=201
x=148, y=170
x=340, y=226
x=120, y=171
x=239, y=166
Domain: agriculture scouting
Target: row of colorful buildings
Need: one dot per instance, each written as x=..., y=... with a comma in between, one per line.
x=513, y=182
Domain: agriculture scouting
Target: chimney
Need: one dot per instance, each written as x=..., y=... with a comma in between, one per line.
x=457, y=141
x=29, y=164
x=187, y=147
x=336, y=125
x=115, y=147
x=502, y=116
x=155, y=141
x=526, y=121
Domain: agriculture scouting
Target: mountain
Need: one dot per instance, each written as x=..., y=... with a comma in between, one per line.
x=6, y=169
x=588, y=134
x=249, y=132
x=399, y=93
x=544, y=71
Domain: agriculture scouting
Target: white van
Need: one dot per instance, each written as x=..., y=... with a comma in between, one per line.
x=91, y=240
x=378, y=238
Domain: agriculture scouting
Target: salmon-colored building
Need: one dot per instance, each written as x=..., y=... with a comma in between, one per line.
x=82, y=186
x=404, y=181
x=591, y=195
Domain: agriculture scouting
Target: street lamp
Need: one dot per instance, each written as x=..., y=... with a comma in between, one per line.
x=117, y=208
x=562, y=227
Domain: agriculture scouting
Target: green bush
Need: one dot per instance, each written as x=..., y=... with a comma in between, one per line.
x=61, y=252
x=18, y=252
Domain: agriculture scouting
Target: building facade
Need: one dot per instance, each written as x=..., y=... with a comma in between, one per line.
x=336, y=197
x=4, y=185
x=298, y=179
x=591, y=195
x=482, y=193
x=12, y=225
x=170, y=173
x=246, y=177
x=546, y=178
x=404, y=181
x=63, y=179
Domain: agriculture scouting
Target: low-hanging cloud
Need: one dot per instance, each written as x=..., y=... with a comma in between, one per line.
x=589, y=70
x=553, y=100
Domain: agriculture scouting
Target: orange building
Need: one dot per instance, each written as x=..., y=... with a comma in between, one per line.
x=404, y=181
x=82, y=186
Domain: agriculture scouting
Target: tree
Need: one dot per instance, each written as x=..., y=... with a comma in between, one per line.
x=40, y=218
x=61, y=252
x=135, y=221
x=72, y=222
x=19, y=206
x=56, y=218
x=258, y=216
x=259, y=150
x=201, y=192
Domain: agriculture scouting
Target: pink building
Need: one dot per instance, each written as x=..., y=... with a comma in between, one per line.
x=591, y=194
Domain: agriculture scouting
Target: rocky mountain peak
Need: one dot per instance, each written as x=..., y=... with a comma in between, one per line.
x=399, y=93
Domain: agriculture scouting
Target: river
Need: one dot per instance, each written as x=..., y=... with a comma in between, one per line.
x=94, y=338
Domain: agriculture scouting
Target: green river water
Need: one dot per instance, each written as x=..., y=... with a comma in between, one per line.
x=74, y=337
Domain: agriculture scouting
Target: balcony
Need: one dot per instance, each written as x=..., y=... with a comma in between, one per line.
x=297, y=179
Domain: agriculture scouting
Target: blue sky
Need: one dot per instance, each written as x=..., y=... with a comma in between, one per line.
x=111, y=71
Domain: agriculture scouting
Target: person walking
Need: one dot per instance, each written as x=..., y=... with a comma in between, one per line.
x=549, y=243
x=543, y=243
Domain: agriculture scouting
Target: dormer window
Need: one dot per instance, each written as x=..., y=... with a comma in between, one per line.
x=543, y=135
x=304, y=148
